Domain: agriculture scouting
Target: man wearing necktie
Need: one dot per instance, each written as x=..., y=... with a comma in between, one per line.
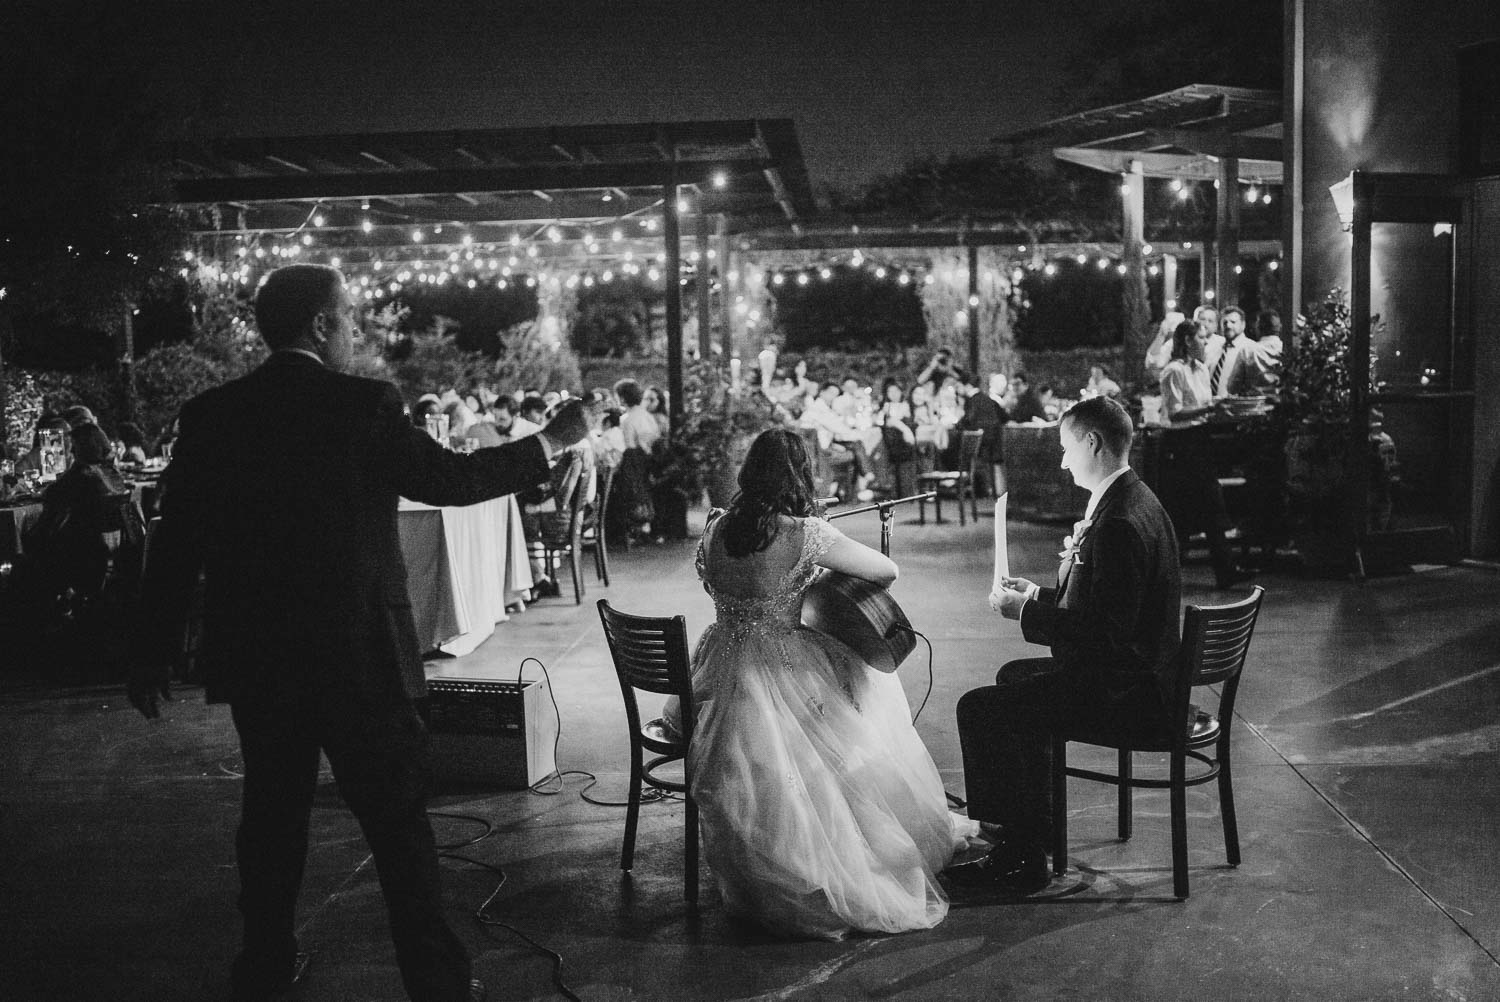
x=1227, y=366
x=1112, y=622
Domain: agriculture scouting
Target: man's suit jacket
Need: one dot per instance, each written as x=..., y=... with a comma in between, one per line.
x=1113, y=620
x=283, y=491
x=983, y=413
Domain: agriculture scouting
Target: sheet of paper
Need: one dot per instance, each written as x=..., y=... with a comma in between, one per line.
x=1002, y=553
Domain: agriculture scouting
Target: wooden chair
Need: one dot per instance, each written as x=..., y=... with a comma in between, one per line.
x=959, y=481
x=651, y=655
x=1214, y=644
x=594, y=534
x=560, y=533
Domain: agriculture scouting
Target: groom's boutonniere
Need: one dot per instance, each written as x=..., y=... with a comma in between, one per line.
x=1072, y=544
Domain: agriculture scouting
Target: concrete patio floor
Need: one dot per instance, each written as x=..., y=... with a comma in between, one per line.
x=1367, y=750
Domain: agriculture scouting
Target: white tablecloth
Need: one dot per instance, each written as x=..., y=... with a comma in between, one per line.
x=463, y=567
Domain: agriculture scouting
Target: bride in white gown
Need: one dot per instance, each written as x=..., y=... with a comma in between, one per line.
x=821, y=809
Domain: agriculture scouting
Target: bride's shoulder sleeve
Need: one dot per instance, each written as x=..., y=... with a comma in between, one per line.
x=818, y=537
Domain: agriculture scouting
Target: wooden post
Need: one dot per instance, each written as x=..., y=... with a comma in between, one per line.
x=1205, y=275
x=1133, y=295
x=127, y=362
x=704, y=286
x=1292, y=90
x=1169, y=282
x=727, y=289
x=971, y=304
x=1358, y=362
x=1227, y=234
x=672, y=236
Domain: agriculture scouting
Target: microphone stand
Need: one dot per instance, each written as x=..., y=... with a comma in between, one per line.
x=887, y=511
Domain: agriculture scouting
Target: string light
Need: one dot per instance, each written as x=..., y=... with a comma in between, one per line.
x=720, y=179
x=416, y=236
x=319, y=219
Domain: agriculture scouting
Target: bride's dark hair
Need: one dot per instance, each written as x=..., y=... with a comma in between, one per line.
x=775, y=480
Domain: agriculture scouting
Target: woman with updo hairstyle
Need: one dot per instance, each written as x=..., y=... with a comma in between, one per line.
x=821, y=810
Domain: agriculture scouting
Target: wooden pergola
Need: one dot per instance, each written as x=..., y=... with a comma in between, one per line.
x=490, y=184
x=1201, y=132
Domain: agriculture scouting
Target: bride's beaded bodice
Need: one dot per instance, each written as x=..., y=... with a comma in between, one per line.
x=763, y=592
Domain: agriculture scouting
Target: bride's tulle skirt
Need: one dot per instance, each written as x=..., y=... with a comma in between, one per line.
x=821, y=810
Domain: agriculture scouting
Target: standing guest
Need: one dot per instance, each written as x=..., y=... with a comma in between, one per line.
x=655, y=402
x=1268, y=333
x=1231, y=369
x=1188, y=483
x=1160, y=351
x=941, y=369
x=630, y=501
x=1112, y=624
x=985, y=412
x=282, y=493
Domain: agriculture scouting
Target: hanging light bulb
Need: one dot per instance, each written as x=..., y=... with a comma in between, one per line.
x=319, y=219
x=802, y=278
x=1252, y=194
x=1049, y=269
x=515, y=239
x=366, y=225
x=682, y=205
x=720, y=179
x=416, y=236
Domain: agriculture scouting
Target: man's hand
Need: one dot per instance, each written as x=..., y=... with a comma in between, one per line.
x=143, y=687
x=1017, y=584
x=569, y=426
x=1007, y=602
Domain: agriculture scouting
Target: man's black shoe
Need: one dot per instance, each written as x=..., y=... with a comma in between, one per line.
x=1006, y=868
x=246, y=990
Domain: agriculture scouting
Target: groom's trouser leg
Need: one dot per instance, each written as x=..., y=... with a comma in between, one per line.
x=1007, y=750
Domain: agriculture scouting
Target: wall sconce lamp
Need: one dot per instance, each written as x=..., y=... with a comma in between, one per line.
x=1343, y=201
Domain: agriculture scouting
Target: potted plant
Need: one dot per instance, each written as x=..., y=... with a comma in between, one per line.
x=719, y=422
x=1315, y=413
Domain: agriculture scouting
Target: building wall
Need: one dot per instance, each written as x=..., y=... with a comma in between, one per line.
x=1381, y=93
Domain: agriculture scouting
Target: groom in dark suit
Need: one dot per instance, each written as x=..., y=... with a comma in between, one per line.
x=283, y=493
x=1113, y=625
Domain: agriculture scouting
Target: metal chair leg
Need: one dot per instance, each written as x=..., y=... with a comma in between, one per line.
x=632, y=810
x=1059, y=806
x=690, y=850
x=1179, y=826
x=1226, y=805
x=1125, y=771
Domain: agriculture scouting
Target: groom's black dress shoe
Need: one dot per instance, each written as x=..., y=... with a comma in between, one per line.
x=247, y=987
x=1007, y=867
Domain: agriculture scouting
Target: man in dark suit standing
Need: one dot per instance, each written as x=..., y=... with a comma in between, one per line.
x=986, y=412
x=1113, y=625
x=283, y=492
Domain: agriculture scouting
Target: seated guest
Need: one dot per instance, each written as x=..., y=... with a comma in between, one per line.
x=898, y=440
x=609, y=441
x=79, y=415
x=836, y=436
x=1048, y=399
x=1188, y=482
x=427, y=403
x=508, y=424
x=639, y=427
x=464, y=425
x=1027, y=407
x=131, y=444
x=928, y=427
x=985, y=412
x=533, y=408
x=87, y=515
x=1102, y=384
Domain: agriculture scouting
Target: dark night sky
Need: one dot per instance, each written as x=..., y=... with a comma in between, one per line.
x=871, y=85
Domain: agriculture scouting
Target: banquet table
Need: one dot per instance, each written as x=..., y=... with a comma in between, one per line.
x=15, y=519
x=464, y=566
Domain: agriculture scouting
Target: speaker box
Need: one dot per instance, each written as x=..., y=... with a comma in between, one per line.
x=492, y=732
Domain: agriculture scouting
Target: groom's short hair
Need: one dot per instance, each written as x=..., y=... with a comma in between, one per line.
x=1106, y=418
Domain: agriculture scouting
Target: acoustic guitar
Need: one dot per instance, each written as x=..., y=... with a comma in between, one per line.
x=861, y=615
